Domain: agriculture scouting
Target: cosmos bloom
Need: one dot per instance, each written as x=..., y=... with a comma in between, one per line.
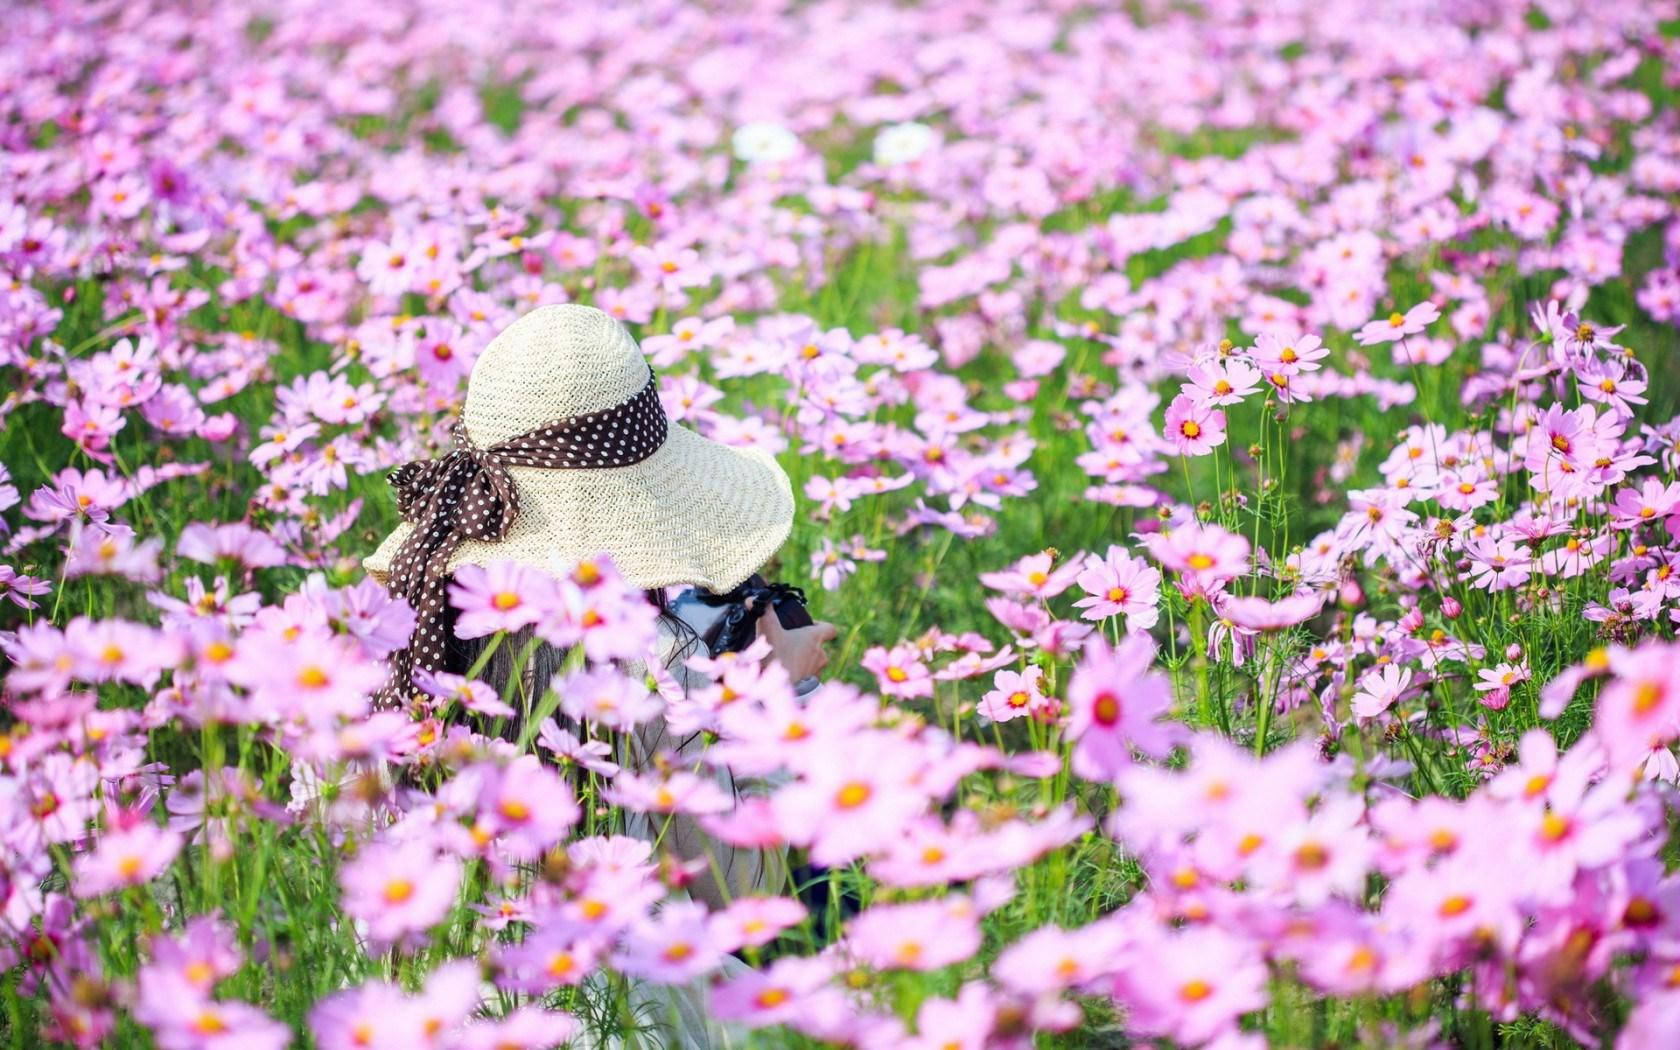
x=376, y=1015
x=1289, y=355
x=1120, y=584
x=400, y=889
x=181, y=1019
x=1258, y=614
x=1222, y=383
x=791, y=986
x=1033, y=577
x=1502, y=676
x=851, y=801
x=593, y=755
x=1397, y=326
x=607, y=697
x=1652, y=502
x=1191, y=986
x=527, y=805
x=675, y=946
x=504, y=596
x=1051, y=958
x=899, y=671
x=754, y=921
x=1206, y=554
x=1380, y=689
x=1114, y=701
x=1640, y=706
x=1329, y=853
x=126, y=857
x=524, y=1028
x=1014, y=694
x=922, y=935
x=202, y=954
x=553, y=956
x=1193, y=430
x=1498, y=564
x=472, y=694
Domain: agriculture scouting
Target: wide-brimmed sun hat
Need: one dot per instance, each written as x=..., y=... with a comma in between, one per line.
x=563, y=404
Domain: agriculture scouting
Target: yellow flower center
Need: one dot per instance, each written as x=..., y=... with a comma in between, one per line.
x=853, y=795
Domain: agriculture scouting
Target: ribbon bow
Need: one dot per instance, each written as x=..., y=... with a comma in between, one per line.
x=468, y=494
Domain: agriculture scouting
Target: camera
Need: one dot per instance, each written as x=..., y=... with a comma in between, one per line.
x=736, y=621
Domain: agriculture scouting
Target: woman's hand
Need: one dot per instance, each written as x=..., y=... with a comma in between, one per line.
x=800, y=649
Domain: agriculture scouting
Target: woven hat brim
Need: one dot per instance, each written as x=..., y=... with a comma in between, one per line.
x=694, y=512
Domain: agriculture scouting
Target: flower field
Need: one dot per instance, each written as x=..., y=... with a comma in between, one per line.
x=1238, y=442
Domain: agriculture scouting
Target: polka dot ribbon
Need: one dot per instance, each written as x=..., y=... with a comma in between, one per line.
x=468, y=494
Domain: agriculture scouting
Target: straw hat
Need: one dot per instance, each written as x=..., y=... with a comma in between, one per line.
x=692, y=512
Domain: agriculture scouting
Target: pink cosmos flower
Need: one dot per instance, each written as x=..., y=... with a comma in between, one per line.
x=504, y=596
x=202, y=954
x=1207, y=555
x=1652, y=502
x=125, y=857
x=923, y=935
x=1033, y=577
x=899, y=671
x=376, y=1015
x=1259, y=614
x=1119, y=584
x=791, y=986
x=525, y=1028
x=1501, y=677
x=1192, y=429
x=400, y=889
x=1224, y=383
x=1014, y=694
x=528, y=806
x=1191, y=986
x=1397, y=326
x=1051, y=959
x=852, y=798
x=181, y=1018
x=1289, y=355
x=607, y=697
x=1329, y=853
x=593, y=755
x=1639, y=707
x=964, y=1023
x=1381, y=689
x=755, y=921
x=676, y=791
x=673, y=947
x=1114, y=701
x=553, y=956
x=472, y=694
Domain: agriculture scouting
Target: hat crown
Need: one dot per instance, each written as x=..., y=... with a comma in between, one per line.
x=553, y=363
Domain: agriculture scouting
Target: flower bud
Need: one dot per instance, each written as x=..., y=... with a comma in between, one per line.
x=1452, y=608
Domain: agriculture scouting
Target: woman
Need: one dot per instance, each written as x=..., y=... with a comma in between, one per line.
x=563, y=452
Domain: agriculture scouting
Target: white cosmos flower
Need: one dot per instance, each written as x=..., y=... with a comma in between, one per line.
x=764, y=143
x=903, y=143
